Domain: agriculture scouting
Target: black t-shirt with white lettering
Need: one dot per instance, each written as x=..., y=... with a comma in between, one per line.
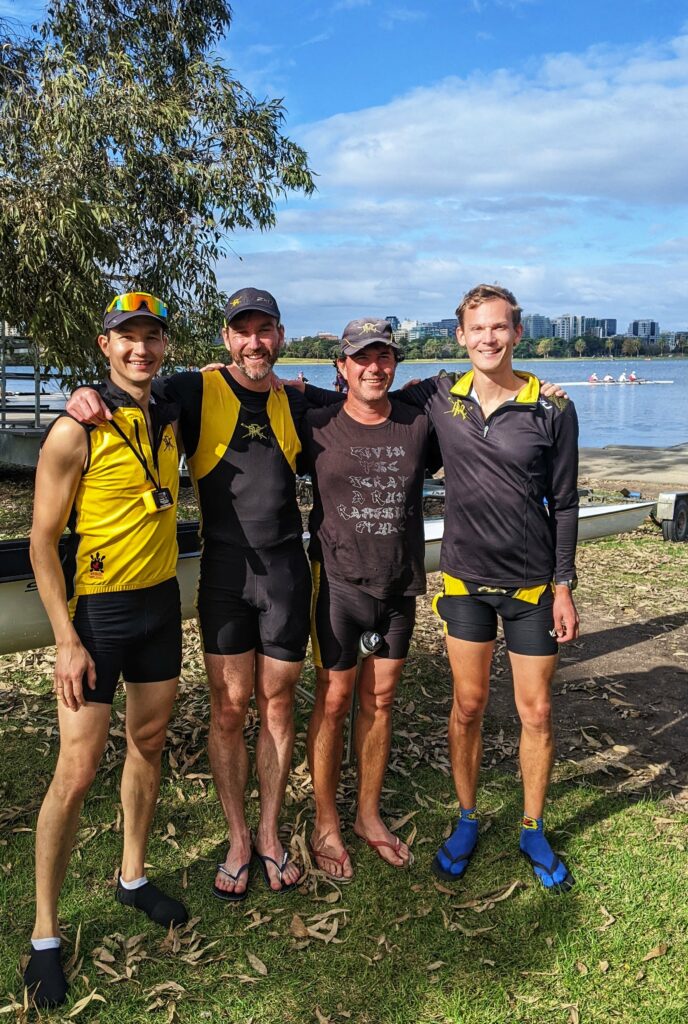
x=367, y=520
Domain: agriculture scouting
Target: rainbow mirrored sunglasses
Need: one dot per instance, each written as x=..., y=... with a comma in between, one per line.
x=131, y=302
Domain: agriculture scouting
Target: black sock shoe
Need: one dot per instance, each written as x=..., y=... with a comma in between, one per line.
x=45, y=978
x=152, y=901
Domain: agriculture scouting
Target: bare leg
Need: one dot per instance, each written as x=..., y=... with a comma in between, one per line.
x=231, y=680
x=275, y=683
x=83, y=735
x=377, y=686
x=470, y=665
x=333, y=692
x=532, y=688
x=149, y=706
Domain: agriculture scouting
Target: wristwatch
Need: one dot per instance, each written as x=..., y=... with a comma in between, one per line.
x=571, y=583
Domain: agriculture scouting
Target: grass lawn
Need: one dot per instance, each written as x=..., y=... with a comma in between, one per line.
x=393, y=947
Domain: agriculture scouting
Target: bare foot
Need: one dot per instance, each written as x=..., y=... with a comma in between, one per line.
x=238, y=855
x=331, y=856
x=271, y=847
x=388, y=847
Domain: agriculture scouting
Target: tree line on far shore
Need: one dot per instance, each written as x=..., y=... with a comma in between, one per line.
x=529, y=348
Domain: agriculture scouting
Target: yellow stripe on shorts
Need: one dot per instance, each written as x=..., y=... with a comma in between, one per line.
x=315, y=572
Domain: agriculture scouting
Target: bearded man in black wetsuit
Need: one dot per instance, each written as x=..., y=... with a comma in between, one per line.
x=367, y=455
x=241, y=441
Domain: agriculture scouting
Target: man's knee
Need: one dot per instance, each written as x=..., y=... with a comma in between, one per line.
x=148, y=739
x=469, y=708
x=73, y=778
x=228, y=711
x=376, y=703
x=536, y=715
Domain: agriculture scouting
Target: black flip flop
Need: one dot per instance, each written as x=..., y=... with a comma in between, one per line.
x=227, y=895
x=284, y=887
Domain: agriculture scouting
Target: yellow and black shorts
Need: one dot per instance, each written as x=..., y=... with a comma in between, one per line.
x=469, y=612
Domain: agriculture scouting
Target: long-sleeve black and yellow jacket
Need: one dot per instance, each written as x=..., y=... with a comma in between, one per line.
x=511, y=504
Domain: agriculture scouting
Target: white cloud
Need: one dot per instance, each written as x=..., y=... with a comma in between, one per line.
x=601, y=124
x=565, y=182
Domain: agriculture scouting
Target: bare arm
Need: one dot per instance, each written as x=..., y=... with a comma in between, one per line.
x=60, y=467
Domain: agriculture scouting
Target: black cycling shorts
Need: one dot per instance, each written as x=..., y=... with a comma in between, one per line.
x=470, y=610
x=133, y=633
x=341, y=612
x=255, y=599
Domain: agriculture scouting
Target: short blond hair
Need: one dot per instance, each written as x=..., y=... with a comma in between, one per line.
x=484, y=293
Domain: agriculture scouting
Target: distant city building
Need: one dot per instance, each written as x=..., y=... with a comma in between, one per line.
x=564, y=327
x=648, y=330
x=605, y=328
x=536, y=326
x=448, y=325
x=394, y=322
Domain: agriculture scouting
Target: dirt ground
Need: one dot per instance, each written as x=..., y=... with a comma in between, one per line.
x=621, y=692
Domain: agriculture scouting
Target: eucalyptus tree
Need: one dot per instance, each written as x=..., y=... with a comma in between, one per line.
x=128, y=155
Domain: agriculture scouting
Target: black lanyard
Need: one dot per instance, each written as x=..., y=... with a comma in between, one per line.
x=139, y=454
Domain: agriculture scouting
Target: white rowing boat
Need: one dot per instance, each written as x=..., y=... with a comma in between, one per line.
x=610, y=383
x=23, y=623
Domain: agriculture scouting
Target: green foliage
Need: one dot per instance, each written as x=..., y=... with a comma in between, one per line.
x=128, y=153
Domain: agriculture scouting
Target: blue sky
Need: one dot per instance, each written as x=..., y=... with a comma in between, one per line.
x=539, y=143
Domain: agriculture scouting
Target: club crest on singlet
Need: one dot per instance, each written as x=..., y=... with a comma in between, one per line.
x=97, y=566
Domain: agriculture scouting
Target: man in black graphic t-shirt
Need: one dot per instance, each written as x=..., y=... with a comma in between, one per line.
x=367, y=455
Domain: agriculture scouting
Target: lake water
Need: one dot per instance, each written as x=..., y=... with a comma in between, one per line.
x=654, y=415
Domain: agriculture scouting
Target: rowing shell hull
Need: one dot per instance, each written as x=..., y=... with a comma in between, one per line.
x=24, y=626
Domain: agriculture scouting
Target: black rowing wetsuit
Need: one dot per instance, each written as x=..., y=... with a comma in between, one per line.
x=242, y=446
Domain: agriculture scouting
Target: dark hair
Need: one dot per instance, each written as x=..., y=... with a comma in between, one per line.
x=484, y=293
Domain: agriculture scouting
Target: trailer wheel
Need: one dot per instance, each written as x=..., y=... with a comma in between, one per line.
x=676, y=529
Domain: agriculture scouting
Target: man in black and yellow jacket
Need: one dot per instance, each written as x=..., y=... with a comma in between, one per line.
x=241, y=441
x=511, y=518
x=119, y=613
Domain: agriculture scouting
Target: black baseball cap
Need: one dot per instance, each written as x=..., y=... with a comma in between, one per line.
x=251, y=299
x=358, y=334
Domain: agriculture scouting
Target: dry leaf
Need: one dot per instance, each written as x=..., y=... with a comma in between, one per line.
x=400, y=822
x=603, y=966
x=590, y=740
x=659, y=950
x=93, y=996
x=298, y=928
x=581, y=968
x=435, y=965
x=444, y=890
x=257, y=964
x=574, y=1014
x=609, y=919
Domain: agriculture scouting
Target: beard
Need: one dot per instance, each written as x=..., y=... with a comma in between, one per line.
x=257, y=373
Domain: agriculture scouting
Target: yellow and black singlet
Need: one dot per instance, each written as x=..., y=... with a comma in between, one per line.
x=116, y=543
x=242, y=448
